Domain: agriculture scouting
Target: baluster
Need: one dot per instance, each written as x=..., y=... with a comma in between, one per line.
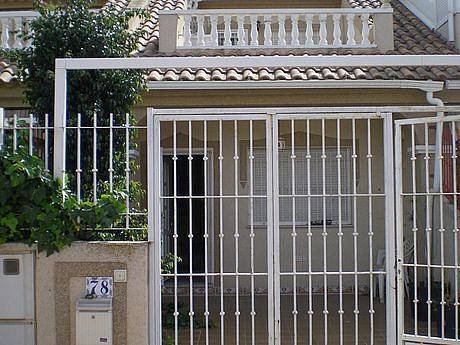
x=309, y=30
x=365, y=31
x=295, y=30
x=5, y=33
x=18, y=33
x=268, y=30
x=200, y=34
x=282, y=30
x=337, y=30
x=29, y=32
x=241, y=33
x=228, y=31
x=214, y=32
x=351, y=29
x=187, y=31
x=254, y=31
x=323, y=29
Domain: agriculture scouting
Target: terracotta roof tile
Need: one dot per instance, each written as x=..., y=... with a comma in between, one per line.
x=411, y=36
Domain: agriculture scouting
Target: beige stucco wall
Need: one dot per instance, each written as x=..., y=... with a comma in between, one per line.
x=60, y=281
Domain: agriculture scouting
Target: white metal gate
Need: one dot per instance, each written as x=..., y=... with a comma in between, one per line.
x=427, y=204
x=280, y=222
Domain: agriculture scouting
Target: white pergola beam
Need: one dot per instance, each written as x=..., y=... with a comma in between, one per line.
x=258, y=61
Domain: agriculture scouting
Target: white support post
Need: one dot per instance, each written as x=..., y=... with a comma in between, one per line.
x=399, y=234
x=60, y=120
x=390, y=245
x=273, y=228
x=154, y=223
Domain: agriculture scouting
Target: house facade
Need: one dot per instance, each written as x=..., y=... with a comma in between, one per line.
x=300, y=173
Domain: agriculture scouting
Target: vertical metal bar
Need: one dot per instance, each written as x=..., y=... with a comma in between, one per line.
x=190, y=234
x=390, y=254
x=428, y=230
x=175, y=236
x=206, y=235
x=324, y=233
x=127, y=169
x=154, y=217
x=455, y=221
x=294, y=231
x=414, y=226
x=60, y=120
x=236, y=234
x=78, y=170
x=441, y=223
x=31, y=134
x=399, y=232
x=355, y=230
x=221, y=236
x=371, y=232
x=340, y=232
x=15, y=132
x=252, y=234
x=2, y=128
x=94, y=158
x=111, y=170
x=309, y=238
x=272, y=224
x=47, y=124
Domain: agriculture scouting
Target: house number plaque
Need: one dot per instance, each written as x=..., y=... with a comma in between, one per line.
x=99, y=286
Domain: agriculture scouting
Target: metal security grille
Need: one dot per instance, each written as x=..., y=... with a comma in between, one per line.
x=427, y=226
x=273, y=227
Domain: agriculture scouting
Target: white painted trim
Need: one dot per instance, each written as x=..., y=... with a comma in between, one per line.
x=257, y=61
x=220, y=113
x=390, y=231
x=453, y=84
x=276, y=11
x=428, y=22
x=13, y=14
x=433, y=86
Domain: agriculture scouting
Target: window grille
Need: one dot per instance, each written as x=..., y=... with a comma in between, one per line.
x=301, y=185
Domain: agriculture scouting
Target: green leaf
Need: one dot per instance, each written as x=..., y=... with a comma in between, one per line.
x=10, y=221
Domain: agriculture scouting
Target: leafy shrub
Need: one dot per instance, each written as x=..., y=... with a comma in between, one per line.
x=70, y=29
x=33, y=210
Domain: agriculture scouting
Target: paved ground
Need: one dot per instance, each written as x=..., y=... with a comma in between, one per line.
x=287, y=321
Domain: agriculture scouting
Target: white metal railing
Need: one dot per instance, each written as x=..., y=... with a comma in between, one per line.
x=99, y=155
x=278, y=28
x=15, y=27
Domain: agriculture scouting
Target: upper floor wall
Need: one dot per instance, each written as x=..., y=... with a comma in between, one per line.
x=442, y=16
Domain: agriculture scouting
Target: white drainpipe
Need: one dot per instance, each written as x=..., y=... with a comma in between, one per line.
x=437, y=169
x=437, y=102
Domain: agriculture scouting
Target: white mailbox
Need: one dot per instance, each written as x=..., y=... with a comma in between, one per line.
x=94, y=321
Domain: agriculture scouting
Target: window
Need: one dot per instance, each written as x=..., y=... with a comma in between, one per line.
x=11, y=267
x=233, y=38
x=301, y=186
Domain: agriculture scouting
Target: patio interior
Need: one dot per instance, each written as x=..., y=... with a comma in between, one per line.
x=287, y=321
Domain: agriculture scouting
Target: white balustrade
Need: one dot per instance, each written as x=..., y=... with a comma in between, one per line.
x=280, y=28
x=14, y=26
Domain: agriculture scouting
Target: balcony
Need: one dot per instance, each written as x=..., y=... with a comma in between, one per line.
x=342, y=28
x=14, y=26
